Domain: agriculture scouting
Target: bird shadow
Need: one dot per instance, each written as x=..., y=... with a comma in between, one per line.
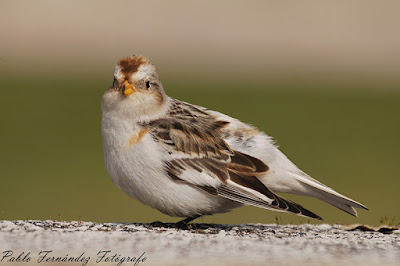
x=206, y=228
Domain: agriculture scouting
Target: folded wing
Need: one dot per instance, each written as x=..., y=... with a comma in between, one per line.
x=201, y=158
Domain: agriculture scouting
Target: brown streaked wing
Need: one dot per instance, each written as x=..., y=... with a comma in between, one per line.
x=175, y=168
x=196, y=135
x=192, y=139
x=220, y=169
x=279, y=204
x=246, y=164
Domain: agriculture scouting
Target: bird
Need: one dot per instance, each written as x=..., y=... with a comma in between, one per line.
x=189, y=161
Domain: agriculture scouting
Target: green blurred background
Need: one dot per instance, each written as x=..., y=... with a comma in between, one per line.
x=323, y=80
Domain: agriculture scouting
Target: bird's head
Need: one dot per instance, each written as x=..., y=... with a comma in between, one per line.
x=136, y=89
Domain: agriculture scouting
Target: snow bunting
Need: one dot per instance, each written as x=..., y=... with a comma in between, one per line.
x=188, y=161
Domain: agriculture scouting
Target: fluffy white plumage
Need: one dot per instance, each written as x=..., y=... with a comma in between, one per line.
x=188, y=161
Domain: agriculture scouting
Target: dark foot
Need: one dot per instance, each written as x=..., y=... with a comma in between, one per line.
x=184, y=223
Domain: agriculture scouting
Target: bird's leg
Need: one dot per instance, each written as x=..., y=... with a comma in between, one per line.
x=184, y=223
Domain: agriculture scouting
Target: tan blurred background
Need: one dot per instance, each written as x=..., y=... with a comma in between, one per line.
x=321, y=77
x=267, y=40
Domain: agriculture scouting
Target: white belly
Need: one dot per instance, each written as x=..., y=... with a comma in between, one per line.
x=138, y=169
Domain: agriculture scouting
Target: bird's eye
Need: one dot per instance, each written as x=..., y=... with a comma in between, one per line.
x=148, y=84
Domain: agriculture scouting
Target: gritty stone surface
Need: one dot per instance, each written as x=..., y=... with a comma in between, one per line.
x=202, y=244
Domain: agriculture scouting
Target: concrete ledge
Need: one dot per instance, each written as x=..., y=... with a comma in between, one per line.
x=87, y=243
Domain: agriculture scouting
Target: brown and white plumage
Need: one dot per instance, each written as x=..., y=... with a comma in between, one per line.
x=188, y=161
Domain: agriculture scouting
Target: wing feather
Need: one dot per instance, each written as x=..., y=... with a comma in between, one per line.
x=200, y=157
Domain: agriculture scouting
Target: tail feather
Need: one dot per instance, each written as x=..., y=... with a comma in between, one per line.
x=307, y=186
x=342, y=206
x=325, y=193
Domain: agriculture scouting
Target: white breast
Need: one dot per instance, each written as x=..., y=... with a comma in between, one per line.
x=138, y=169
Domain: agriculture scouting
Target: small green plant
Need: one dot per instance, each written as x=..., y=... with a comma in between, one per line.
x=278, y=220
x=389, y=221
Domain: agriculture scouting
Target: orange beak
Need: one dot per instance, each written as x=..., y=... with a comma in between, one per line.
x=126, y=88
